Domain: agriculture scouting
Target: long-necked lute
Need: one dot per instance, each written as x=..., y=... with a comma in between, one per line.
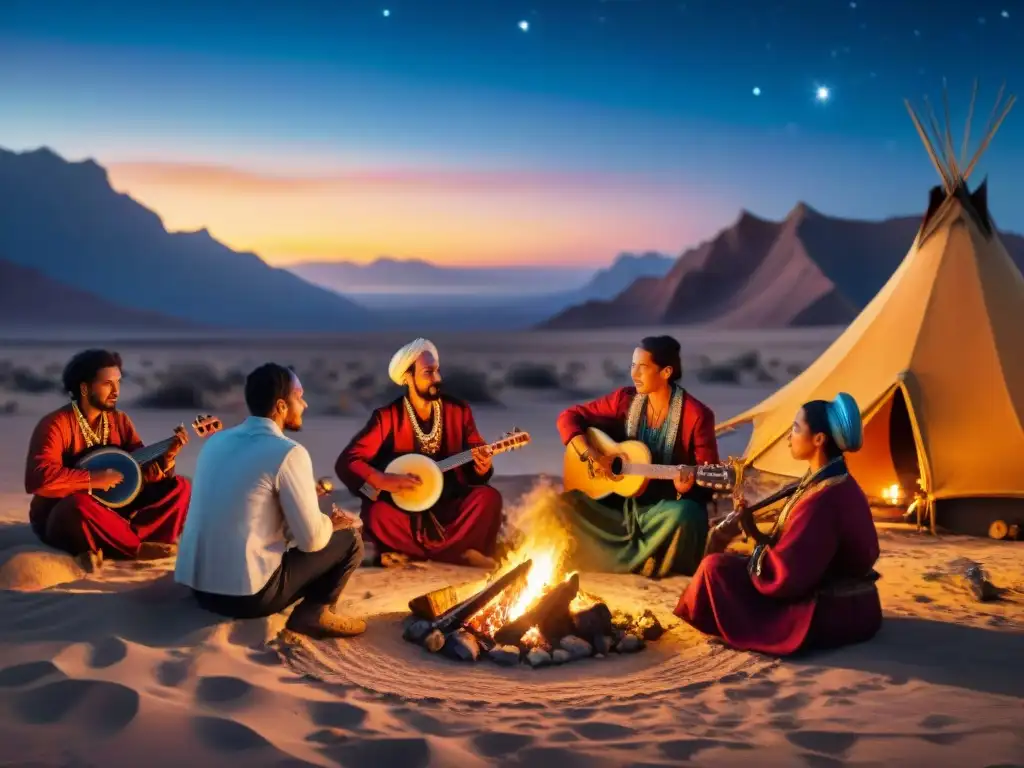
x=632, y=469
x=130, y=464
x=431, y=473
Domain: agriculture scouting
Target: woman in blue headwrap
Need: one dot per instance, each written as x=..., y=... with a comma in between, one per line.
x=810, y=583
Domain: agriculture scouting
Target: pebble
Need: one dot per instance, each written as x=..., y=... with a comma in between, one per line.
x=538, y=658
x=630, y=644
x=462, y=646
x=602, y=644
x=415, y=630
x=504, y=655
x=434, y=642
x=577, y=647
x=560, y=656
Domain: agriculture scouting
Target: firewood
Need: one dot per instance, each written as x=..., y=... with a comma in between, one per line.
x=550, y=614
x=455, y=617
x=433, y=604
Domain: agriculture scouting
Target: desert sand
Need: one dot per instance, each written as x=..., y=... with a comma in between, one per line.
x=122, y=669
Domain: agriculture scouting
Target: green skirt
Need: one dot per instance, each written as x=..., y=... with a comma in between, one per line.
x=621, y=540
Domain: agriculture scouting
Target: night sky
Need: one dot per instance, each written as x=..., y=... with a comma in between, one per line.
x=496, y=132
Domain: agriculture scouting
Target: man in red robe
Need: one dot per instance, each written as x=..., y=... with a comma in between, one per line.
x=63, y=512
x=463, y=525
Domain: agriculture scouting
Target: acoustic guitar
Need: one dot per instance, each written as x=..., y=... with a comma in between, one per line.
x=431, y=473
x=632, y=469
x=130, y=464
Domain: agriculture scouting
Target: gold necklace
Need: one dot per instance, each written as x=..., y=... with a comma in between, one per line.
x=91, y=438
x=429, y=443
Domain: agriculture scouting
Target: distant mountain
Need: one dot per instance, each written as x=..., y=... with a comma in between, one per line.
x=29, y=301
x=387, y=275
x=809, y=269
x=627, y=267
x=66, y=221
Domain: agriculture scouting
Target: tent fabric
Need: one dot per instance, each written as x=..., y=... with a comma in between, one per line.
x=945, y=333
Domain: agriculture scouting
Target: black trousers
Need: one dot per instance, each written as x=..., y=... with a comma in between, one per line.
x=319, y=577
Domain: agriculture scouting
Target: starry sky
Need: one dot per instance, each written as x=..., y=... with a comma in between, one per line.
x=487, y=132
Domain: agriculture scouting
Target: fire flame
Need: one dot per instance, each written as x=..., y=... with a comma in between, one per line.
x=548, y=544
x=893, y=494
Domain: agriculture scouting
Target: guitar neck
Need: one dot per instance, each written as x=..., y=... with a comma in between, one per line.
x=147, y=453
x=458, y=459
x=654, y=471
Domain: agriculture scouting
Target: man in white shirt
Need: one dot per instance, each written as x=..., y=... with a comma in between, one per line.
x=255, y=540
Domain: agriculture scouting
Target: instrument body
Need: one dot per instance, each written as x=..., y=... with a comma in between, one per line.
x=431, y=473
x=632, y=469
x=130, y=464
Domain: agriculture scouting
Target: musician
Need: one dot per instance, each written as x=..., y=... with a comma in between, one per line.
x=663, y=531
x=255, y=540
x=811, y=584
x=63, y=513
x=463, y=526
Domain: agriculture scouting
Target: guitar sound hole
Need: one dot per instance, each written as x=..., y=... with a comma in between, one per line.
x=617, y=464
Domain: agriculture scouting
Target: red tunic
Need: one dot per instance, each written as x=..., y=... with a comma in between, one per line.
x=469, y=510
x=65, y=516
x=799, y=600
x=695, y=442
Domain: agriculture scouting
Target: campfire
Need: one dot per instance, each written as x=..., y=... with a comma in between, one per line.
x=532, y=610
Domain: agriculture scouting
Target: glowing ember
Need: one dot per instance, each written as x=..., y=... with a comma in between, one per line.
x=893, y=494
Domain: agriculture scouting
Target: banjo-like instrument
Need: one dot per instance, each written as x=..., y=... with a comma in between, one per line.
x=130, y=464
x=431, y=473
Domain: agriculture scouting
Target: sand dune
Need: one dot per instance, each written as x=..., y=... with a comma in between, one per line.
x=122, y=669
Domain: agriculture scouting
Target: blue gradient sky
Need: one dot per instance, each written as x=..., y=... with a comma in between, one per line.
x=327, y=130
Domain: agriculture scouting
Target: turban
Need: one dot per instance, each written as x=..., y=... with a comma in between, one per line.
x=844, y=423
x=407, y=355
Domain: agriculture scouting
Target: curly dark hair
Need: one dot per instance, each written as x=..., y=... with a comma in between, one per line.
x=265, y=386
x=83, y=367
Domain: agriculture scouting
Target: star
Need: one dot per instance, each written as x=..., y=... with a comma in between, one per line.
x=386, y=13
x=1005, y=14
x=853, y=5
x=822, y=94
x=756, y=91
x=524, y=25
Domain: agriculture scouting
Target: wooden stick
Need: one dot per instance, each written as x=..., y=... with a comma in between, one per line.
x=991, y=134
x=928, y=146
x=463, y=612
x=950, y=152
x=937, y=139
x=967, y=127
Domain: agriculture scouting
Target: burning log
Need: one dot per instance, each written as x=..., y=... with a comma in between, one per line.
x=433, y=604
x=454, y=618
x=550, y=614
x=593, y=622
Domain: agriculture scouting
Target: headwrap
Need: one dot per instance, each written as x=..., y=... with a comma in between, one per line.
x=407, y=355
x=845, y=424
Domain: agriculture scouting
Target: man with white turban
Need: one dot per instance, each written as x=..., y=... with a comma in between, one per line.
x=462, y=527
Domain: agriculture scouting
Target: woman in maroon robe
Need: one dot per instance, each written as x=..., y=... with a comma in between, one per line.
x=813, y=584
x=63, y=513
x=463, y=525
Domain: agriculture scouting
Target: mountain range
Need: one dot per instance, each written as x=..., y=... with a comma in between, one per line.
x=808, y=269
x=64, y=220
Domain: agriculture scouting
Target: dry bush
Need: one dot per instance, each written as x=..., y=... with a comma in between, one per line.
x=461, y=383
x=191, y=386
x=533, y=376
x=614, y=371
x=25, y=380
x=8, y=408
x=737, y=370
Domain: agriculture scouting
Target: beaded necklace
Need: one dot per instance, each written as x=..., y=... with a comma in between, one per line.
x=91, y=438
x=429, y=443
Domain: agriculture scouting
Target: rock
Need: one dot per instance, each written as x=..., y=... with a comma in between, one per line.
x=434, y=642
x=462, y=646
x=538, y=658
x=504, y=655
x=603, y=644
x=577, y=647
x=560, y=656
x=630, y=644
x=648, y=626
x=415, y=629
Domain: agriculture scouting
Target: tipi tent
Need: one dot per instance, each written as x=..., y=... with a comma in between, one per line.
x=935, y=361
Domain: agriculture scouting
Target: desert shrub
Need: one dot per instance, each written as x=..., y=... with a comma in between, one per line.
x=794, y=369
x=532, y=376
x=720, y=373
x=177, y=395
x=190, y=385
x=353, y=365
x=28, y=381
x=468, y=385
x=363, y=382
x=8, y=408
x=614, y=371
